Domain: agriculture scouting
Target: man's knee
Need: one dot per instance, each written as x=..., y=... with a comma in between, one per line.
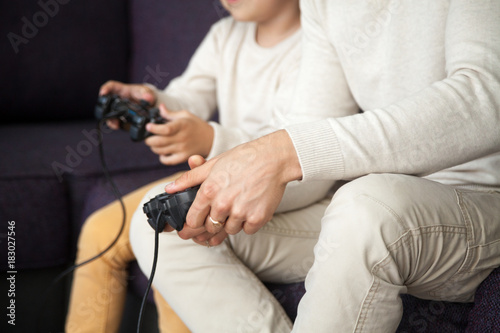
x=371, y=206
x=392, y=192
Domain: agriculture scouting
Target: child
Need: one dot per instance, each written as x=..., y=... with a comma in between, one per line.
x=247, y=62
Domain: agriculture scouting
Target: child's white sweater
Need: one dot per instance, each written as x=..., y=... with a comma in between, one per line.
x=251, y=87
x=244, y=81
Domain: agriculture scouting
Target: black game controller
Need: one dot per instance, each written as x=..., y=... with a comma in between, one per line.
x=172, y=207
x=133, y=117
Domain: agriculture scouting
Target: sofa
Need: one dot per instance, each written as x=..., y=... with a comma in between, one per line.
x=55, y=56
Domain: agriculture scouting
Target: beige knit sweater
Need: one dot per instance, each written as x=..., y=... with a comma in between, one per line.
x=427, y=74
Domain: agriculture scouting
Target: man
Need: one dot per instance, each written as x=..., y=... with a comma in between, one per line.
x=422, y=214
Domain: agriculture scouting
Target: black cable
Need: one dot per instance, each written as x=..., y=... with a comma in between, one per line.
x=118, y=196
x=151, y=276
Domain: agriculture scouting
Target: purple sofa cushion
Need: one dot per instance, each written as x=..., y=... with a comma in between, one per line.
x=433, y=316
x=53, y=179
x=39, y=208
x=56, y=54
x=485, y=315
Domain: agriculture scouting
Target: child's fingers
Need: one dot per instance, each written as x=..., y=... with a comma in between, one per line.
x=135, y=92
x=173, y=159
x=114, y=87
x=113, y=123
x=195, y=161
x=167, y=114
x=167, y=129
x=142, y=92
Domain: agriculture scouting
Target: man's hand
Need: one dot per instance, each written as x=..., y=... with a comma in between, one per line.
x=182, y=136
x=240, y=188
x=213, y=236
x=134, y=92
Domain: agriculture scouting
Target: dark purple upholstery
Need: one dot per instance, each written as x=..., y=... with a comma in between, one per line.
x=165, y=34
x=54, y=180
x=485, y=315
x=58, y=55
x=50, y=175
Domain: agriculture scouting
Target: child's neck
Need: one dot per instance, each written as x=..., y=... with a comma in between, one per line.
x=278, y=28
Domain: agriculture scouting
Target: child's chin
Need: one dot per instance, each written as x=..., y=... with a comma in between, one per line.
x=241, y=17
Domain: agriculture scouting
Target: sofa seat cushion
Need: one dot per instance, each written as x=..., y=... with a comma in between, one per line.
x=485, y=315
x=68, y=149
x=51, y=179
x=39, y=208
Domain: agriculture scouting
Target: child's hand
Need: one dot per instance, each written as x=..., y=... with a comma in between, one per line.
x=134, y=92
x=182, y=136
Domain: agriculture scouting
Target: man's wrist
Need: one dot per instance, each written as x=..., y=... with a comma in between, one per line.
x=318, y=150
x=287, y=156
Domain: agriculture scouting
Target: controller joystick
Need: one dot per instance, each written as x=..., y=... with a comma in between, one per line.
x=173, y=209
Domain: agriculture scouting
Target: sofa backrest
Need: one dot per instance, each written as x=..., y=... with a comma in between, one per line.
x=55, y=54
x=165, y=34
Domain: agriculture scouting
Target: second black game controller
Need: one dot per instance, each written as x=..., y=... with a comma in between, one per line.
x=133, y=117
x=173, y=209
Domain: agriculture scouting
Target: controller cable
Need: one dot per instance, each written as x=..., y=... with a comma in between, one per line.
x=151, y=276
x=118, y=196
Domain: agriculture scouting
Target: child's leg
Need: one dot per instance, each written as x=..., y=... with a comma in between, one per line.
x=168, y=321
x=99, y=287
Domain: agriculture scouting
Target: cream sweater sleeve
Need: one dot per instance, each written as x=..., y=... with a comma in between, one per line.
x=452, y=121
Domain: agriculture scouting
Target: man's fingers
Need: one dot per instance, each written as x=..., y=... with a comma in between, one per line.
x=191, y=178
x=187, y=232
x=198, y=211
x=209, y=240
x=213, y=225
x=218, y=238
x=234, y=225
x=168, y=228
